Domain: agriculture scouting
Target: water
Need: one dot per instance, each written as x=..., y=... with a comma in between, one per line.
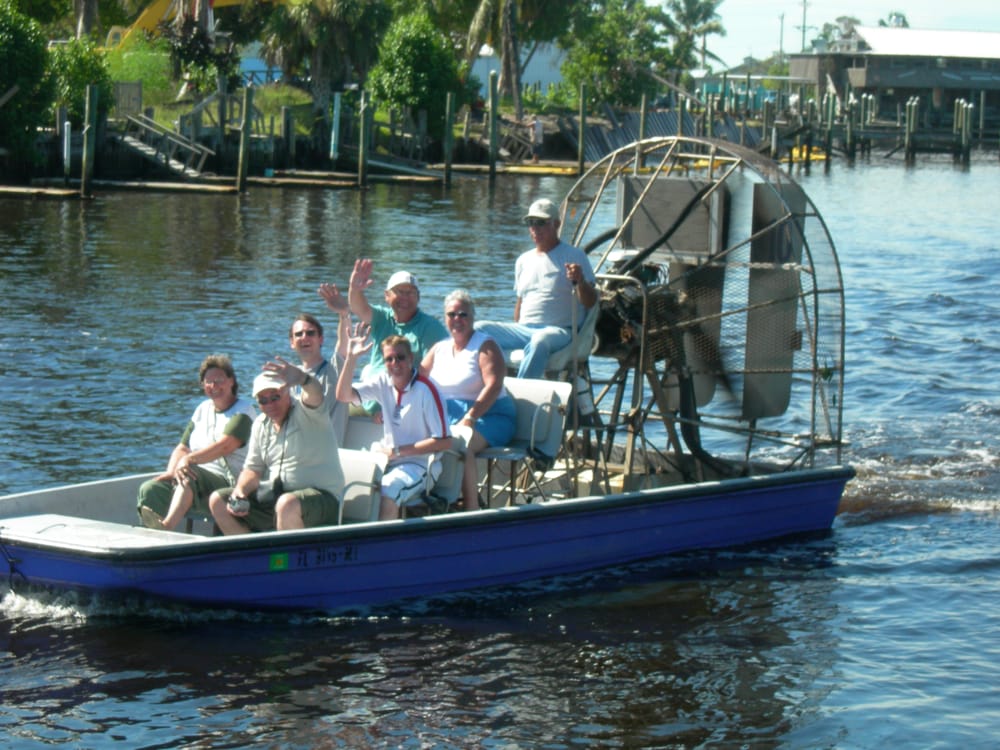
x=881, y=635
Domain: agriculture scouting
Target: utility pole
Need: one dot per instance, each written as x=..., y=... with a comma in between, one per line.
x=804, y=27
x=781, y=41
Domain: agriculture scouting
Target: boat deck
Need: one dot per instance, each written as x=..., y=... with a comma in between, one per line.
x=85, y=534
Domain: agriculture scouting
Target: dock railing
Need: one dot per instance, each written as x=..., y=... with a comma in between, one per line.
x=168, y=147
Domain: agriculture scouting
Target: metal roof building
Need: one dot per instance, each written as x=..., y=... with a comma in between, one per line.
x=894, y=64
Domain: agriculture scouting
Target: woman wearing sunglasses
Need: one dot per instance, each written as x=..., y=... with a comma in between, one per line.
x=468, y=370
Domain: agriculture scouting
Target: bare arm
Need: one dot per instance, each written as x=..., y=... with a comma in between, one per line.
x=247, y=482
x=221, y=447
x=359, y=345
x=424, y=446
x=312, y=391
x=339, y=304
x=517, y=310
x=428, y=363
x=493, y=370
x=586, y=290
x=361, y=279
x=176, y=456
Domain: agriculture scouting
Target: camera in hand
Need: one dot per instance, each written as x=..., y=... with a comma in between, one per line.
x=239, y=505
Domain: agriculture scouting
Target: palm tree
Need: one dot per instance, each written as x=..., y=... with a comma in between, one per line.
x=196, y=11
x=337, y=39
x=87, y=17
x=497, y=20
x=694, y=21
x=895, y=20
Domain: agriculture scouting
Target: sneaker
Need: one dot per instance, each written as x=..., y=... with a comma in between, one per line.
x=151, y=519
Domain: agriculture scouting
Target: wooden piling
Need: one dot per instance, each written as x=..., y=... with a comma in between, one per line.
x=494, y=105
x=967, y=115
x=637, y=164
x=363, y=138
x=449, y=136
x=288, y=131
x=245, y=127
x=89, y=140
x=220, y=138
x=335, y=128
x=67, y=146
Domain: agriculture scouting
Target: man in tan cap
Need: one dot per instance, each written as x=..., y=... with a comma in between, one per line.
x=293, y=447
x=547, y=281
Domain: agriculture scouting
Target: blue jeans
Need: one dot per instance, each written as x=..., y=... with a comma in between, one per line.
x=538, y=342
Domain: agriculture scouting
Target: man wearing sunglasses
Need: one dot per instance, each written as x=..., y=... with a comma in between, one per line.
x=547, y=281
x=414, y=421
x=293, y=447
x=305, y=338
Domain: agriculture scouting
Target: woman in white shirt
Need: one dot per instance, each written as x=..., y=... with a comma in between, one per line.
x=469, y=370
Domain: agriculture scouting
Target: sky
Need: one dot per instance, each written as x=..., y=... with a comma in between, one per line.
x=754, y=27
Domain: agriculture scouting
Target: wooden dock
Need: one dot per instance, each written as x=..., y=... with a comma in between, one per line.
x=38, y=192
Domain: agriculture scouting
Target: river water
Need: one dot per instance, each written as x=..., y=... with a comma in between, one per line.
x=884, y=634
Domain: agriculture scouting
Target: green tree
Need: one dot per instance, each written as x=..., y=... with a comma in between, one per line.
x=334, y=42
x=895, y=20
x=201, y=58
x=416, y=69
x=74, y=66
x=615, y=49
x=516, y=29
x=147, y=60
x=693, y=22
x=87, y=15
x=497, y=21
x=23, y=78
x=843, y=28
x=45, y=11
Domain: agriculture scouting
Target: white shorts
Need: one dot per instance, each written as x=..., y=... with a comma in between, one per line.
x=404, y=482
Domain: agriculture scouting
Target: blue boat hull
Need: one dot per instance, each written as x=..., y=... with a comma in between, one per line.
x=375, y=563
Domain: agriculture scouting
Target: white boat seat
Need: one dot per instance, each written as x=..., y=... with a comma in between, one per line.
x=443, y=486
x=362, y=491
x=538, y=433
x=578, y=350
x=362, y=431
x=362, y=485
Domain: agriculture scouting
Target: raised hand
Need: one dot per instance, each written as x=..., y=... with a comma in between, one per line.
x=361, y=276
x=285, y=370
x=333, y=298
x=360, y=341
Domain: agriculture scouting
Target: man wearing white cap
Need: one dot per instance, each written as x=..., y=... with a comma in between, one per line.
x=545, y=278
x=399, y=316
x=293, y=447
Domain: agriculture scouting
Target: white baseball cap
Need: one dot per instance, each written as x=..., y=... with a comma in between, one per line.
x=543, y=208
x=266, y=381
x=401, y=277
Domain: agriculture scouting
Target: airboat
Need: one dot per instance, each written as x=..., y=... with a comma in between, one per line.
x=698, y=407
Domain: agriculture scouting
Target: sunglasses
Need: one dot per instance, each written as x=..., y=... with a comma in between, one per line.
x=457, y=314
x=308, y=332
x=536, y=223
x=396, y=358
x=265, y=400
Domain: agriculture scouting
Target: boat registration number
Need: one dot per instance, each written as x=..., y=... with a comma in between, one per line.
x=314, y=557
